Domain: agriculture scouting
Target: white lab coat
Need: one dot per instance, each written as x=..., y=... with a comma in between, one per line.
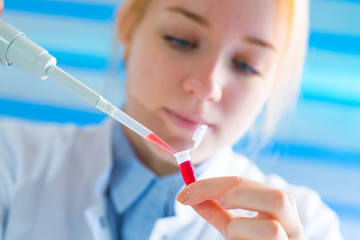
x=52, y=182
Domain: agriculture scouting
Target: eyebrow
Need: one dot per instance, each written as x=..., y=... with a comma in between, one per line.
x=191, y=15
x=260, y=42
x=202, y=21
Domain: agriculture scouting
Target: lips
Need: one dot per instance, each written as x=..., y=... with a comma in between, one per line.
x=184, y=120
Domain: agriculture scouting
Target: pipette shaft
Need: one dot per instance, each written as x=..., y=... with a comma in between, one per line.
x=17, y=49
x=95, y=99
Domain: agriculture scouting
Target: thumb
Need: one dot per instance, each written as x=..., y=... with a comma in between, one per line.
x=213, y=214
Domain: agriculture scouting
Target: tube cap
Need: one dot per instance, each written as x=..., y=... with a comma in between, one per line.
x=197, y=137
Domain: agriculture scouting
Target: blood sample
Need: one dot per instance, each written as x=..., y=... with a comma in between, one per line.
x=152, y=137
x=183, y=158
x=187, y=172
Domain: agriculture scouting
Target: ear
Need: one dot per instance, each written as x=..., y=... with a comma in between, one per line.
x=124, y=25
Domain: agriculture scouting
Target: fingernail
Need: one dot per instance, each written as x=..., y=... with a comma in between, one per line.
x=225, y=233
x=221, y=201
x=183, y=196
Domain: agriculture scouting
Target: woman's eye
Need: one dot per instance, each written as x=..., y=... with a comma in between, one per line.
x=245, y=68
x=179, y=43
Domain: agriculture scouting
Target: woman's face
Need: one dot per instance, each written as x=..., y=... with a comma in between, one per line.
x=1, y=6
x=203, y=62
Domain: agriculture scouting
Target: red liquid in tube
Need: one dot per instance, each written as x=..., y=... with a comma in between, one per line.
x=187, y=172
x=152, y=137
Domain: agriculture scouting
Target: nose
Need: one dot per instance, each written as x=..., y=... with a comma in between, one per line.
x=204, y=82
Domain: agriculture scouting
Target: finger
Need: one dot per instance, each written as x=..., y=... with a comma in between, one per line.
x=275, y=203
x=211, y=189
x=213, y=214
x=250, y=228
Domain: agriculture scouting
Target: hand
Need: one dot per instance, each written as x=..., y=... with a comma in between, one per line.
x=1, y=6
x=213, y=199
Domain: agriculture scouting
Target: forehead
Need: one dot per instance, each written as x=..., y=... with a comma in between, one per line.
x=264, y=19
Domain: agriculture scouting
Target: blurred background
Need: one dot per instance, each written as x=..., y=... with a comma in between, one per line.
x=318, y=146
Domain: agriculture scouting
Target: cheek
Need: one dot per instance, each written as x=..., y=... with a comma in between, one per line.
x=153, y=67
x=143, y=78
x=244, y=101
x=241, y=106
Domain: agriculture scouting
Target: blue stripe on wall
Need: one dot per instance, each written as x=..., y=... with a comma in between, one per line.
x=47, y=113
x=305, y=152
x=342, y=1
x=316, y=96
x=337, y=43
x=80, y=60
x=84, y=61
x=316, y=154
x=71, y=9
x=345, y=211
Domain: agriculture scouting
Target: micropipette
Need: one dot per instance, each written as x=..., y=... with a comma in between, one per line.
x=16, y=48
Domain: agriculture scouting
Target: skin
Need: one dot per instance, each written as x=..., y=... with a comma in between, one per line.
x=213, y=198
x=196, y=62
x=195, y=73
x=1, y=6
x=201, y=62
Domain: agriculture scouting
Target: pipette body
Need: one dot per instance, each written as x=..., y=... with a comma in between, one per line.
x=16, y=48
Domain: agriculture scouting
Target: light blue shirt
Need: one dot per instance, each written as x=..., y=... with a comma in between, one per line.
x=137, y=197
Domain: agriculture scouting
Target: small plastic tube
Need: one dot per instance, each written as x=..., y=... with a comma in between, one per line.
x=186, y=167
x=184, y=159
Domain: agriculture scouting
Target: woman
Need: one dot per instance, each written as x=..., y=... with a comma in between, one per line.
x=188, y=63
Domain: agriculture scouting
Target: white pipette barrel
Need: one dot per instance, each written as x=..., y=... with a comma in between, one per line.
x=96, y=99
x=18, y=49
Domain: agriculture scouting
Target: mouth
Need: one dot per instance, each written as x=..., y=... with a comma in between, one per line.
x=185, y=121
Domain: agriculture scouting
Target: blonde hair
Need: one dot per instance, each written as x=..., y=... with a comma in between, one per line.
x=288, y=78
x=286, y=88
x=129, y=15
